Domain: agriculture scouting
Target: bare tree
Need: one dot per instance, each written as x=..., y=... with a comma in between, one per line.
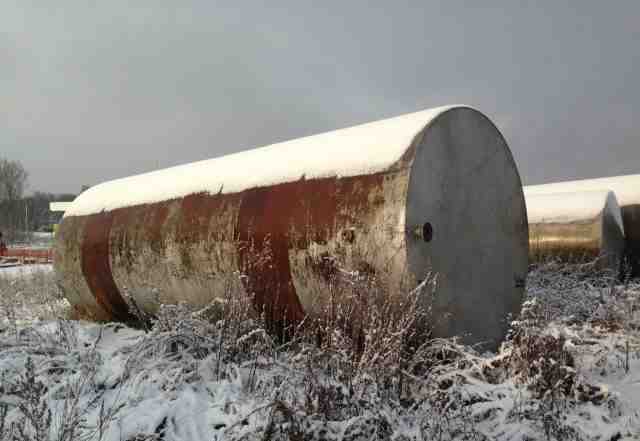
x=13, y=179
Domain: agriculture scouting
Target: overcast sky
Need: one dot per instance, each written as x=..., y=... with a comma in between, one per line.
x=91, y=91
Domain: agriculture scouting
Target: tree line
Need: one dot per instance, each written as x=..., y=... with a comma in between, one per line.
x=20, y=214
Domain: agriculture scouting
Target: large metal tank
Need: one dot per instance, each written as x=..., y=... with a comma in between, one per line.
x=576, y=226
x=435, y=191
x=627, y=191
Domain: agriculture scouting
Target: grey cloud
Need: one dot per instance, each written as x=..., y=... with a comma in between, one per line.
x=99, y=91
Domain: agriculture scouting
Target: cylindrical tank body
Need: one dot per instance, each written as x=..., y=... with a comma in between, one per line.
x=435, y=191
x=627, y=191
x=576, y=226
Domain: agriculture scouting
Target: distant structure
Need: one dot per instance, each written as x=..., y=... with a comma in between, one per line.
x=579, y=226
x=627, y=191
x=433, y=192
x=59, y=207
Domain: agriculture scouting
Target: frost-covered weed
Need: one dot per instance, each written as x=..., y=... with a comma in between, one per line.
x=216, y=373
x=575, y=318
x=30, y=293
x=50, y=388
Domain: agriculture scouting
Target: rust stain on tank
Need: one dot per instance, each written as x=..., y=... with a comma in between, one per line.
x=133, y=226
x=204, y=227
x=138, y=250
x=197, y=211
x=97, y=268
x=274, y=220
x=298, y=245
x=263, y=226
x=121, y=244
x=180, y=246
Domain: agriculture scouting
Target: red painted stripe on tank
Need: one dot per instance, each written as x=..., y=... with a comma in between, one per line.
x=97, y=269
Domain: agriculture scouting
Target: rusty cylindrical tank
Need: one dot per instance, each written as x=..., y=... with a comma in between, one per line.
x=435, y=191
x=576, y=226
x=627, y=191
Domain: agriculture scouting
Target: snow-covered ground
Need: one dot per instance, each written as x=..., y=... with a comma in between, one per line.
x=34, y=240
x=22, y=271
x=28, y=293
x=569, y=370
x=41, y=240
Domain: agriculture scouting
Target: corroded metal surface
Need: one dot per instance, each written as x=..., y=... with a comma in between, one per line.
x=283, y=239
x=452, y=203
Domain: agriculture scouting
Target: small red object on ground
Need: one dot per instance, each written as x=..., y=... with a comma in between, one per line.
x=28, y=255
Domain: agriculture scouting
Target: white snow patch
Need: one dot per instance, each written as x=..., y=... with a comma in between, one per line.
x=42, y=235
x=367, y=148
x=14, y=272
